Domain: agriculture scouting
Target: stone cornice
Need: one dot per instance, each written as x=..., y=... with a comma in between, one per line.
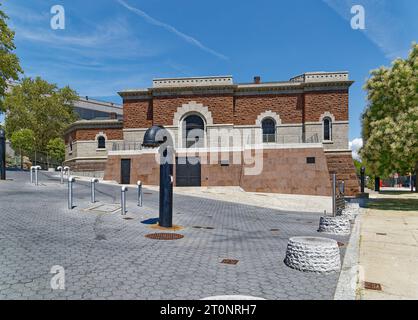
x=94, y=124
x=238, y=90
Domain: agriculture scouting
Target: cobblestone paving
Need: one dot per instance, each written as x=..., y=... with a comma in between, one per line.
x=107, y=257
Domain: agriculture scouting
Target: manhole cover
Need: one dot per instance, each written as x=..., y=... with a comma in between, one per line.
x=274, y=230
x=209, y=228
x=381, y=234
x=230, y=261
x=100, y=237
x=164, y=236
x=128, y=218
x=148, y=193
x=197, y=227
x=372, y=286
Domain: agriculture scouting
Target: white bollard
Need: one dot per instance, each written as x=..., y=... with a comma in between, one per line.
x=67, y=170
x=123, y=200
x=61, y=169
x=36, y=174
x=140, y=194
x=71, y=180
x=93, y=189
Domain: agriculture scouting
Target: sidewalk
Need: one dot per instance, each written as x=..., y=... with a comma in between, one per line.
x=389, y=247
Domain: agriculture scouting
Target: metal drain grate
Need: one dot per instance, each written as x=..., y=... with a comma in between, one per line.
x=381, y=234
x=274, y=230
x=164, y=236
x=372, y=286
x=128, y=218
x=209, y=228
x=197, y=227
x=230, y=261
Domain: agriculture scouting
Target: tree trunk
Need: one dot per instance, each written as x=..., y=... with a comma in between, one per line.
x=416, y=176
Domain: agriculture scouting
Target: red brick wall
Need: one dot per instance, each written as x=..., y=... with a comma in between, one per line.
x=289, y=107
x=335, y=102
x=137, y=114
x=90, y=134
x=221, y=107
x=240, y=110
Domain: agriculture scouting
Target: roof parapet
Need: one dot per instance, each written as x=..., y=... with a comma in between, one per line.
x=321, y=76
x=192, y=82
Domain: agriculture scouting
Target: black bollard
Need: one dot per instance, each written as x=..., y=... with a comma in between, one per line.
x=166, y=187
x=377, y=184
x=362, y=172
x=2, y=155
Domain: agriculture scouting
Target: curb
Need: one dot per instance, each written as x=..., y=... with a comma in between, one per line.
x=348, y=280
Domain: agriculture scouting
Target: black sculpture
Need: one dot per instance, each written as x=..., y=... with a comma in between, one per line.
x=158, y=136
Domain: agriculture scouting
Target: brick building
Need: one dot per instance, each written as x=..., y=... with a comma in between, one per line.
x=284, y=137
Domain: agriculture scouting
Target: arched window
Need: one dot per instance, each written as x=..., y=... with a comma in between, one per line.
x=327, y=126
x=101, y=142
x=194, y=131
x=269, y=130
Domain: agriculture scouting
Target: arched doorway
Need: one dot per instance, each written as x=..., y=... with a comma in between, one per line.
x=193, y=131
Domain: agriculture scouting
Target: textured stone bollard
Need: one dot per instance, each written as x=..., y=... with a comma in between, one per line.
x=313, y=254
x=335, y=225
x=351, y=211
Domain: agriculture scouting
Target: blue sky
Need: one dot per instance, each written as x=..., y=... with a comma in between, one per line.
x=110, y=45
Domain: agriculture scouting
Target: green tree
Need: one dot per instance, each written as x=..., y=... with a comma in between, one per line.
x=9, y=62
x=23, y=141
x=390, y=121
x=56, y=149
x=42, y=107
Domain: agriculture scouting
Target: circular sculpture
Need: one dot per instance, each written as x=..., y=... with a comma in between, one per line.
x=313, y=254
x=335, y=225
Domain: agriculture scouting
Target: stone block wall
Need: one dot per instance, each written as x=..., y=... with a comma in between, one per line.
x=343, y=165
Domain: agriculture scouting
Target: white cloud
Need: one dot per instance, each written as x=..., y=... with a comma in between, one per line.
x=171, y=29
x=383, y=28
x=355, y=146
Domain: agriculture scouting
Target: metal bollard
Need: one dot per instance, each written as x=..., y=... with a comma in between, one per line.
x=67, y=170
x=342, y=187
x=123, y=200
x=31, y=174
x=62, y=173
x=334, y=202
x=36, y=174
x=93, y=189
x=139, y=184
x=71, y=180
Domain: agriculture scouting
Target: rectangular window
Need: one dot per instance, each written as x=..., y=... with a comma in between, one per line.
x=310, y=160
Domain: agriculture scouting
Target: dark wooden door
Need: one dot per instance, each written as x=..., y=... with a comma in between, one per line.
x=188, y=172
x=125, y=171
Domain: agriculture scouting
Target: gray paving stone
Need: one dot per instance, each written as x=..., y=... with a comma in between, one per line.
x=106, y=257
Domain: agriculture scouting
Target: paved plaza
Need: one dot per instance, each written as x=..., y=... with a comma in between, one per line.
x=108, y=257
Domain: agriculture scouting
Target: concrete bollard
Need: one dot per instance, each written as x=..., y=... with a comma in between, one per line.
x=71, y=180
x=61, y=169
x=140, y=194
x=123, y=200
x=93, y=189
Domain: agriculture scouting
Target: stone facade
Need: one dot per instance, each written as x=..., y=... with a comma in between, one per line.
x=233, y=117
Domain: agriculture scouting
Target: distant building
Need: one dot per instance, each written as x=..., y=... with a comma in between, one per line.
x=90, y=109
x=301, y=126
